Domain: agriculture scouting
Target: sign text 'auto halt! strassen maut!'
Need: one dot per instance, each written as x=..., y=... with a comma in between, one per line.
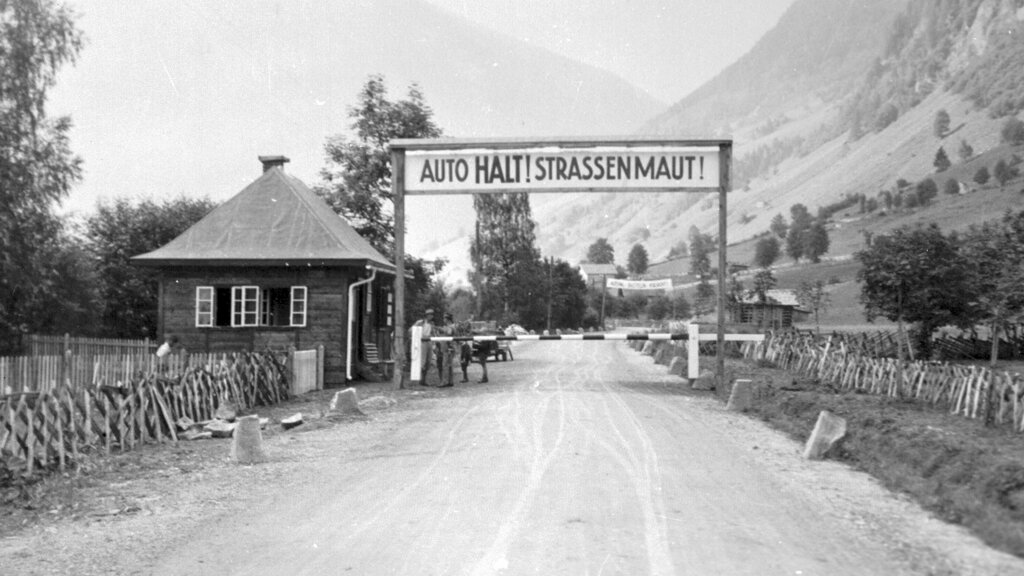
x=664, y=168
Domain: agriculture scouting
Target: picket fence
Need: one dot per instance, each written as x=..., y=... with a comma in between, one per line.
x=41, y=345
x=46, y=373
x=961, y=389
x=55, y=427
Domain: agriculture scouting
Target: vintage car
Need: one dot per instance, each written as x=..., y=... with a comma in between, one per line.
x=496, y=349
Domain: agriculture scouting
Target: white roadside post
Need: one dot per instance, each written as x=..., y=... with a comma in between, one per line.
x=693, y=348
x=415, y=347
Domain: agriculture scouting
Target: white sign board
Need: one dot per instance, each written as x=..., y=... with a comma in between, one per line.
x=665, y=284
x=563, y=169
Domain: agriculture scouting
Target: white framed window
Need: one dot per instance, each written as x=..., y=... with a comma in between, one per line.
x=266, y=319
x=245, y=305
x=204, y=306
x=298, y=306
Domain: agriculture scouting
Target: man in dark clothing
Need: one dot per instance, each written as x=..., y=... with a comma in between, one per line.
x=446, y=352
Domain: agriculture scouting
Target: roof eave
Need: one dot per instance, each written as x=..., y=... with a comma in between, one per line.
x=272, y=262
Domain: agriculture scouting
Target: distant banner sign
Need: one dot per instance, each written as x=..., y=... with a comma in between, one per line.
x=665, y=284
x=598, y=168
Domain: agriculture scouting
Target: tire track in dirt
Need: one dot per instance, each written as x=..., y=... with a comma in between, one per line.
x=634, y=451
x=534, y=409
x=427, y=473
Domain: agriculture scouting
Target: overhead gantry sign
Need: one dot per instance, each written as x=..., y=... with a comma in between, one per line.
x=557, y=165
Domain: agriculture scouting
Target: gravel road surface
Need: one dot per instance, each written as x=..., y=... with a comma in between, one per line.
x=581, y=458
x=577, y=458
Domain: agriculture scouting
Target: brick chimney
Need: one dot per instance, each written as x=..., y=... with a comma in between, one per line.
x=273, y=162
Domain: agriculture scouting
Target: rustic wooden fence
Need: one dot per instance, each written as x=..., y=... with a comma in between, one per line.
x=53, y=428
x=961, y=389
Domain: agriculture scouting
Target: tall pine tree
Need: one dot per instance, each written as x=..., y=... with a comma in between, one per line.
x=506, y=263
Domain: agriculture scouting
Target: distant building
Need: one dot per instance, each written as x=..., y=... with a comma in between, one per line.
x=779, y=310
x=595, y=274
x=275, y=267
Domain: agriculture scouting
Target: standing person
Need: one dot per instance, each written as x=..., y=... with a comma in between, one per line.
x=446, y=352
x=482, y=350
x=428, y=331
x=465, y=348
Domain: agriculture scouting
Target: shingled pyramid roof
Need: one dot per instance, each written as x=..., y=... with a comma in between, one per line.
x=275, y=221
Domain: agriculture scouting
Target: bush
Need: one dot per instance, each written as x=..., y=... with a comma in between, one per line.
x=926, y=190
x=1013, y=131
x=888, y=114
x=982, y=175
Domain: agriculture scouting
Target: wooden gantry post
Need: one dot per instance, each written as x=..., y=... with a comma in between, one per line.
x=725, y=165
x=398, y=193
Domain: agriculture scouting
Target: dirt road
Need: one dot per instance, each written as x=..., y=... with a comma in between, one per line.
x=579, y=458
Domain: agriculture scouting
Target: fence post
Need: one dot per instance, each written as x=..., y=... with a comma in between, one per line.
x=320, y=367
x=693, y=347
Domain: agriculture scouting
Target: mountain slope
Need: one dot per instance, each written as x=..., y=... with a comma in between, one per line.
x=838, y=99
x=815, y=54
x=782, y=93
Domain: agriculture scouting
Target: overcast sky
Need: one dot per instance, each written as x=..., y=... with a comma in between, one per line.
x=179, y=97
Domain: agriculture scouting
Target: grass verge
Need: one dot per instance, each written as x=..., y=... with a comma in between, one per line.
x=954, y=467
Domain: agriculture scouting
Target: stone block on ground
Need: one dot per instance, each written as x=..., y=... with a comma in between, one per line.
x=220, y=428
x=678, y=366
x=345, y=402
x=663, y=355
x=226, y=411
x=706, y=380
x=184, y=423
x=828, y=432
x=196, y=435
x=648, y=348
x=247, y=443
x=292, y=421
x=741, y=398
x=378, y=402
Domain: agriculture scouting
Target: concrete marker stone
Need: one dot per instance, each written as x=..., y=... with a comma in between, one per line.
x=345, y=402
x=247, y=443
x=828, y=431
x=741, y=398
x=678, y=366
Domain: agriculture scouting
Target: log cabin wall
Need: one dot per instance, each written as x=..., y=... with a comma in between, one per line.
x=326, y=316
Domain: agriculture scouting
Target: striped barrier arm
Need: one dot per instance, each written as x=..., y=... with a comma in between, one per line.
x=534, y=337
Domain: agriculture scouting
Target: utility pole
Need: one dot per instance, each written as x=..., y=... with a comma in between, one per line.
x=550, y=263
x=604, y=294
